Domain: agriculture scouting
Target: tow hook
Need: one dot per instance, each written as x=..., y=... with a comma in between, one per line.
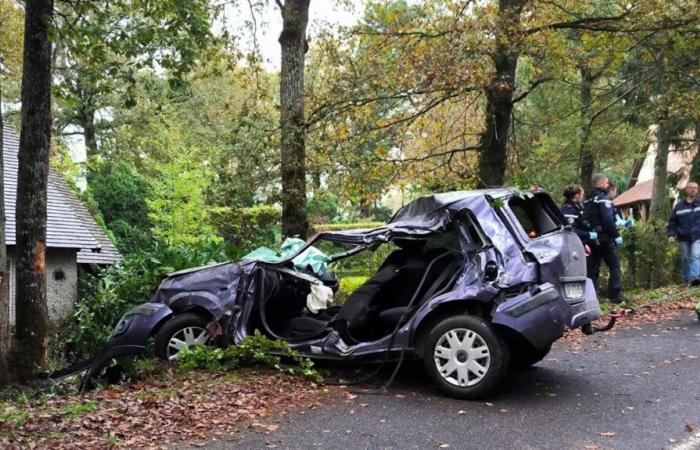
x=589, y=329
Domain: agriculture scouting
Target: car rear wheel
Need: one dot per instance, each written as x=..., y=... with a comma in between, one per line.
x=464, y=357
x=182, y=331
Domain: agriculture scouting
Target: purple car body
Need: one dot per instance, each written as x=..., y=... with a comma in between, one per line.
x=530, y=284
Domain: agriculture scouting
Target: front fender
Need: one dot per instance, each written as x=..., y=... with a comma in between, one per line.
x=203, y=299
x=137, y=325
x=130, y=335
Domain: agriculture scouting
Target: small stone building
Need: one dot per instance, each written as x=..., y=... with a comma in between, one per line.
x=74, y=241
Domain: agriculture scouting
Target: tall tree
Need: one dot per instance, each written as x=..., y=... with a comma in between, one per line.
x=32, y=323
x=103, y=45
x=10, y=63
x=493, y=152
x=295, y=17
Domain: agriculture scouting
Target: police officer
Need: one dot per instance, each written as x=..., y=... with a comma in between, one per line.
x=599, y=212
x=572, y=209
x=684, y=227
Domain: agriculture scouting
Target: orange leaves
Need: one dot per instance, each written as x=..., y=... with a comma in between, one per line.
x=189, y=407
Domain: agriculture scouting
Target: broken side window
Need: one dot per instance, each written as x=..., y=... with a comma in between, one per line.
x=535, y=214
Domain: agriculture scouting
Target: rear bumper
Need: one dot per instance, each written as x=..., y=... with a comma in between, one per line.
x=586, y=311
x=542, y=317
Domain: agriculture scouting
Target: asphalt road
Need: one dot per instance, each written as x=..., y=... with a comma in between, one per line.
x=639, y=389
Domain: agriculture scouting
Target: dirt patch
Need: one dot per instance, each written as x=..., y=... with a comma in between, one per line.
x=176, y=407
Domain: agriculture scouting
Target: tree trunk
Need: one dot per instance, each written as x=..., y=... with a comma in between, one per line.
x=499, y=97
x=89, y=131
x=587, y=162
x=295, y=16
x=31, y=336
x=659, y=194
x=5, y=318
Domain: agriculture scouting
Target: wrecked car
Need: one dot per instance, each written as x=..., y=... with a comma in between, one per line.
x=473, y=283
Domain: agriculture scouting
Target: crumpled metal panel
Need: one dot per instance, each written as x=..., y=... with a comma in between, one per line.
x=214, y=287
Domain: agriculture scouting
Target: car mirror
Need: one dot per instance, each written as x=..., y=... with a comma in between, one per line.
x=491, y=271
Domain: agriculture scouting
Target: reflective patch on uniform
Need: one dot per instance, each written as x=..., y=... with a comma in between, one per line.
x=607, y=203
x=685, y=211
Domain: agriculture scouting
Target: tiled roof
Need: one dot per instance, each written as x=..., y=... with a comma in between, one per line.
x=637, y=193
x=69, y=223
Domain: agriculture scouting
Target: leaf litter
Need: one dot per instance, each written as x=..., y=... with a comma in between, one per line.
x=189, y=407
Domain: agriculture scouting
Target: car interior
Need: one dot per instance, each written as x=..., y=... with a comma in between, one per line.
x=414, y=271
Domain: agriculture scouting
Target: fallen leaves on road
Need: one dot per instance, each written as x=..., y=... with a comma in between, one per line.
x=645, y=315
x=178, y=407
x=688, y=428
x=608, y=433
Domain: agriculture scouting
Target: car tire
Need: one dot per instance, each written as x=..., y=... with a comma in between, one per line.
x=525, y=355
x=465, y=357
x=181, y=330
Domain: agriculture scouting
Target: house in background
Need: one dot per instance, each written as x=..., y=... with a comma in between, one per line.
x=74, y=241
x=635, y=201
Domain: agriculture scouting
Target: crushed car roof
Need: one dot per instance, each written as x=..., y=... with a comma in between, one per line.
x=418, y=209
x=425, y=215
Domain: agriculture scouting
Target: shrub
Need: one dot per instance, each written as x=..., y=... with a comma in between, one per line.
x=317, y=228
x=249, y=228
x=322, y=207
x=647, y=260
x=253, y=351
x=347, y=286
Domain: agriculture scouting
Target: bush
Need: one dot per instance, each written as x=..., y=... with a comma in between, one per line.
x=647, y=260
x=119, y=193
x=106, y=297
x=317, y=228
x=253, y=351
x=322, y=207
x=347, y=286
x=249, y=228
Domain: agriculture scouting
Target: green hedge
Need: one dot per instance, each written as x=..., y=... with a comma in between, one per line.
x=647, y=260
x=347, y=286
x=344, y=226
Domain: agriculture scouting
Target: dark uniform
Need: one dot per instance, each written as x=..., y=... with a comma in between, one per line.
x=574, y=214
x=599, y=212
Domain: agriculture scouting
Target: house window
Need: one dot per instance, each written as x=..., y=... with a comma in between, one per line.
x=59, y=274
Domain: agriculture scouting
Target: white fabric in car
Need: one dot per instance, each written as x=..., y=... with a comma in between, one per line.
x=319, y=298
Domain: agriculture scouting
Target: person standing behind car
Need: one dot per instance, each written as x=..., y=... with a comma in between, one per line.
x=684, y=226
x=572, y=209
x=599, y=212
x=620, y=221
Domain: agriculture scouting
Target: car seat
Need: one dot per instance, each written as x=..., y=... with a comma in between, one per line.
x=441, y=278
x=397, y=277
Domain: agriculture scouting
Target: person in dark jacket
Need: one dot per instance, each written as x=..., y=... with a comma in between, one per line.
x=684, y=227
x=572, y=209
x=599, y=212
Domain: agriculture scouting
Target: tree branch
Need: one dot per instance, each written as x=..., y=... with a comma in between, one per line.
x=531, y=88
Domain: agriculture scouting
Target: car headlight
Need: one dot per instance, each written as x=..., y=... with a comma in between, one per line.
x=574, y=290
x=122, y=325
